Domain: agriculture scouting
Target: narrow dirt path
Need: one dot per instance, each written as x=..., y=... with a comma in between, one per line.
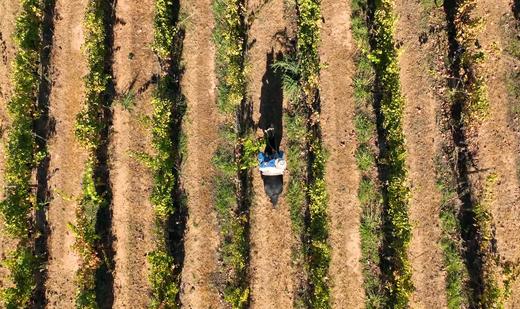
x=498, y=146
x=272, y=279
x=422, y=136
x=66, y=156
x=337, y=113
x=133, y=217
x=201, y=128
x=7, y=52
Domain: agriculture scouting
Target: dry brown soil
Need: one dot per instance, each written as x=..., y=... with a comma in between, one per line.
x=66, y=156
x=422, y=138
x=498, y=145
x=342, y=178
x=133, y=215
x=201, y=127
x=272, y=274
x=7, y=52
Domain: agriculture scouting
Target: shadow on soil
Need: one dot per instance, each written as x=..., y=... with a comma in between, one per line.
x=175, y=225
x=271, y=100
x=44, y=127
x=516, y=9
x=461, y=158
x=104, y=275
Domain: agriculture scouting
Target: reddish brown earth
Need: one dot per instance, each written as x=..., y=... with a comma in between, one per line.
x=337, y=50
x=422, y=138
x=133, y=215
x=272, y=274
x=498, y=145
x=66, y=156
x=7, y=52
x=201, y=127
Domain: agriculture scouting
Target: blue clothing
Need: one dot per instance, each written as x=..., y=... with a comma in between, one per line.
x=269, y=161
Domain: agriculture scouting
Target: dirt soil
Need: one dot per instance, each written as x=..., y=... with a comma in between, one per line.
x=272, y=274
x=201, y=127
x=67, y=158
x=422, y=138
x=7, y=53
x=337, y=50
x=133, y=216
x=497, y=144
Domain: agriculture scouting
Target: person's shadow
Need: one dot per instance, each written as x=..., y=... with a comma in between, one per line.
x=271, y=114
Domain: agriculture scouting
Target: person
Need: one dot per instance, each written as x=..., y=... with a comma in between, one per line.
x=272, y=166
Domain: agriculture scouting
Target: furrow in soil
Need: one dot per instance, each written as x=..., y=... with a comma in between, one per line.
x=66, y=156
x=422, y=137
x=199, y=288
x=497, y=145
x=342, y=178
x=133, y=217
x=272, y=274
x=9, y=10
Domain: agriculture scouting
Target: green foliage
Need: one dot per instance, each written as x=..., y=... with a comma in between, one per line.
x=497, y=275
x=22, y=264
x=230, y=38
x=165, y=28
x=364, y=158
x=473, y=90
x=127, y=100
x=87, y=238
x=369, y=191
x=290, y=77
x=451, y=242
x=296, y=158
x=164, y=284
x=309, y=21
x=88, y=121
x=384, y=57
x=316, y=248
x=250, y=148
x=237, y=150
x=22, y=155
x=88, y=131
x=169, y=106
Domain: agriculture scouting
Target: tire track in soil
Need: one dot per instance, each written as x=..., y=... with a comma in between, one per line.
x=67, y=158
x=272, y=274
x=9, y=11
x=422, y=137
x=497, y=146
x=337, y=50
x=133, y=216
x=201, y=128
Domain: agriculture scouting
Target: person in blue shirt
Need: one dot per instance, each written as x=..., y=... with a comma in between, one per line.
x=272, y=166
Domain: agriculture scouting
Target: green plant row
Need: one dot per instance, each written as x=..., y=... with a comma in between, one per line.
x=88, y=130
x=496, y=275
x=168, y=109
x=451, y=243
x=316, y=248
x=494, y=291
x=384, y=57
x=474, y=90
x=22, y=156
x=236, y=152
x=369, y=191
